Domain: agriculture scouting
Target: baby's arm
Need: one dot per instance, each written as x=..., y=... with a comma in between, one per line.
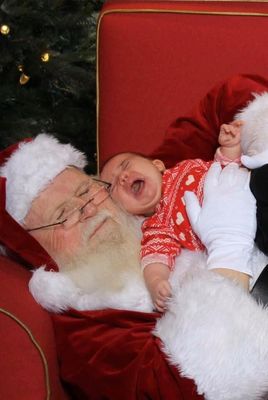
x=156, y=278
x=229, y=139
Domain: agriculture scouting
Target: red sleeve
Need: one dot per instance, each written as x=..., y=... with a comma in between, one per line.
x=159, y=243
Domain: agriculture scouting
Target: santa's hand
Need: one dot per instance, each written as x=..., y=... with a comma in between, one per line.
x=256, y=161
x=226, y=222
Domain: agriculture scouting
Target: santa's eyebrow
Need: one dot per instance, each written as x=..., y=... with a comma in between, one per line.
x=58, y=210
x=87, y=183
x=61, y=207
x=61, y=214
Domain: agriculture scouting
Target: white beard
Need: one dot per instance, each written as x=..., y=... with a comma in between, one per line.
x=104, y=267
x=102, y=275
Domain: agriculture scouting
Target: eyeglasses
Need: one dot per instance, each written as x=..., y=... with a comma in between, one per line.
x=70, y=213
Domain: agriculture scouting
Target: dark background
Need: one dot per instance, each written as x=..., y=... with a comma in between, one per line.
x=47, y=71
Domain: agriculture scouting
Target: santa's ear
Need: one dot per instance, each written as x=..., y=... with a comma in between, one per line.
x=259, y=184
x=159, y=165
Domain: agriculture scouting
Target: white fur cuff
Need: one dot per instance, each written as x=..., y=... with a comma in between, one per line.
x=216, y=334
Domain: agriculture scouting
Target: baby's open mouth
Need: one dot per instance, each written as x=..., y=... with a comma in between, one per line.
x=137, y=186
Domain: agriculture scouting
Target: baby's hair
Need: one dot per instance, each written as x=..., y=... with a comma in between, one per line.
x=134, y=153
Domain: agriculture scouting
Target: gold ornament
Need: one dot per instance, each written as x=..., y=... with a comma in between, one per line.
x=45, y=57
x=24, y=79
x=4, y=29
x=20, y=67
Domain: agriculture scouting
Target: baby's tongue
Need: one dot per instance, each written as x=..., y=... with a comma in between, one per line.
x=137, y=186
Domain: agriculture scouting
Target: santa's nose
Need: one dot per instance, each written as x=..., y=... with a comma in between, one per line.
x=88, y=211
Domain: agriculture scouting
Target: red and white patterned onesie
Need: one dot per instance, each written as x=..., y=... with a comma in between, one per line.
x=169, y=229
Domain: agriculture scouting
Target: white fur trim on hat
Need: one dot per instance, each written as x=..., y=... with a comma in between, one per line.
x=32, y=167
x=254, y=131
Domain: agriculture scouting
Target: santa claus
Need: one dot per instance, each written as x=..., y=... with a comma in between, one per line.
x=213, y=331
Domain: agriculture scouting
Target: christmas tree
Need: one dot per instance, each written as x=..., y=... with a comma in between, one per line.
x=47, y=70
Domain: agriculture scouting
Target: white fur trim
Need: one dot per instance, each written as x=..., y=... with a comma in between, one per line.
x=217, y=334
x=32, y=167
x=53, y=290
x=254, y=132
x=56, y=292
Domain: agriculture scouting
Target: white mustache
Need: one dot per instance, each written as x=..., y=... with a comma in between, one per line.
x=94, y=222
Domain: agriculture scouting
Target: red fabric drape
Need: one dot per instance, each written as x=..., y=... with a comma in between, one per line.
x=113, y=355
x=195, y=135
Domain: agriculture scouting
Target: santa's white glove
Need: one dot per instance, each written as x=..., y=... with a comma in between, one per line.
x=256, y=161
x=226, y=222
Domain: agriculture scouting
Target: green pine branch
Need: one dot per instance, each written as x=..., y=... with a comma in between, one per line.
x=57, y=96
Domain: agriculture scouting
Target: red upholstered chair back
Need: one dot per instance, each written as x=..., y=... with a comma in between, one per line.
x=156, y=59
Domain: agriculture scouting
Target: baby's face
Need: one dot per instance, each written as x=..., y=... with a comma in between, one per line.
x=136, y=182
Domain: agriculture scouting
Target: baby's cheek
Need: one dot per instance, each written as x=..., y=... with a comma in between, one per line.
x=119, y=197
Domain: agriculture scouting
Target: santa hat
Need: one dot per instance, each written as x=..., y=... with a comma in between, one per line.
x=254, y=131
x=31, y=168
x=26, y=169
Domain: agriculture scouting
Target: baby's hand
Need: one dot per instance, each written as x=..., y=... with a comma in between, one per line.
x=230, y=132
x=160, y=291
x=229, y=129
